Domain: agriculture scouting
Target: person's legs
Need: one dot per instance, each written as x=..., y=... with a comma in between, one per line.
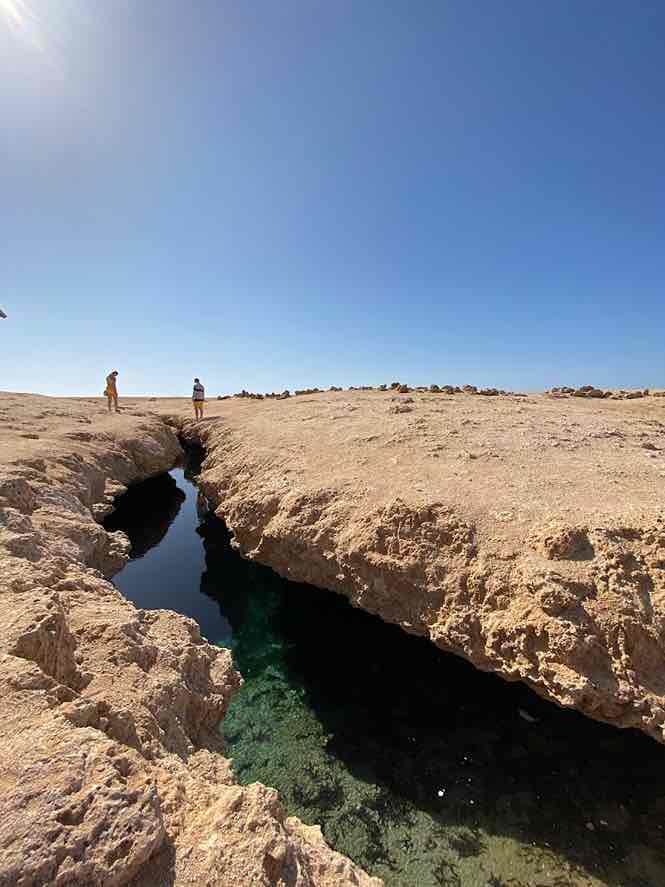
x=108, y=398
x=196, y=409
x=201, y=409
x=115, y=402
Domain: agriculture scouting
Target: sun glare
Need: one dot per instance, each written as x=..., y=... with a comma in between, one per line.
x=22, y=21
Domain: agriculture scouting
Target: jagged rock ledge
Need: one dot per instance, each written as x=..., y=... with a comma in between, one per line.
x=526, y=535
x=113, y=770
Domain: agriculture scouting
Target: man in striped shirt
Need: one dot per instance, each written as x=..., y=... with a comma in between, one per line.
x=198, y=399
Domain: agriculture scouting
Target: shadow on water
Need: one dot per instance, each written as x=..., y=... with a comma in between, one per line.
x=421, y=768
x=145, y=515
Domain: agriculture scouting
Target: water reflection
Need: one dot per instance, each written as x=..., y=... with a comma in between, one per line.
x=146, y=513
x=421, y=768
x=160, y=516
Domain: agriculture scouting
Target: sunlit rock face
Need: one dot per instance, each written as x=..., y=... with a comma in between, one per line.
x=113, y=766
x=414, y=763
x=525, y=534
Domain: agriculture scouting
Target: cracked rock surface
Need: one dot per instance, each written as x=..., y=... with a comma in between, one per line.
x=526, y=534
x=112, y=769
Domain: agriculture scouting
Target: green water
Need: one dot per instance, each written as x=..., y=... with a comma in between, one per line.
x=416, y=765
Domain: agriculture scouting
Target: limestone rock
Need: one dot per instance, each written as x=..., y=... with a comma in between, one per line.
x=112, y=763
x=564, y=594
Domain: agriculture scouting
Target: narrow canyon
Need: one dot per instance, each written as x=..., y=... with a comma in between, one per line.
x=523, y=534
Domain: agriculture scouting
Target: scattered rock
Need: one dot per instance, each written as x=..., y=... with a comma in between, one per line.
x=561, y=542
x=249, y=394
x=588, y=391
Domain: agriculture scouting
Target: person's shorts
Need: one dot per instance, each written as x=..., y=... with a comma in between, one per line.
x=197, y=402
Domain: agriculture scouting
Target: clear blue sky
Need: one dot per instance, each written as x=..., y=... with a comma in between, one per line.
x=315, y=192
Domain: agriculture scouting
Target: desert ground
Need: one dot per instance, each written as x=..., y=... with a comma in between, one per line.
x=524, y=533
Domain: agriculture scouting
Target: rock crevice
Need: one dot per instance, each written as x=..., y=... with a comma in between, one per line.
x=565, y=593
x=112, y=765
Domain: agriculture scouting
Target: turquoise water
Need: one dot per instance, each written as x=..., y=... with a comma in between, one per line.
x=422, y=769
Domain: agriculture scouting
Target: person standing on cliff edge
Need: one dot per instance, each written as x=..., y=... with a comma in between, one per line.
x=111, y=390
x=198, y=399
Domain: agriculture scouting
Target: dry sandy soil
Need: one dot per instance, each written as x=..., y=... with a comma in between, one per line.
x=525, y=534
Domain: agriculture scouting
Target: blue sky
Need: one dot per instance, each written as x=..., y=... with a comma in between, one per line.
x=297, y=192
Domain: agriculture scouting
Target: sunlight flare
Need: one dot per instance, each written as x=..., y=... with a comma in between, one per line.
x=22, y=21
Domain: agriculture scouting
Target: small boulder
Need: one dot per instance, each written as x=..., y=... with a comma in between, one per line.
x=561, y=542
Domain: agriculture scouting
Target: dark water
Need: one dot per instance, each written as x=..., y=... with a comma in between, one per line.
x=419, y=767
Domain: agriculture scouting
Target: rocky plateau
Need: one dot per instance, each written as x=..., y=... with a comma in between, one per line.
x=525, y=533
x=113, y=771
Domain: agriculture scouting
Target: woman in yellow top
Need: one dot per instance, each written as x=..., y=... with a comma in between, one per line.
x=111, y=390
